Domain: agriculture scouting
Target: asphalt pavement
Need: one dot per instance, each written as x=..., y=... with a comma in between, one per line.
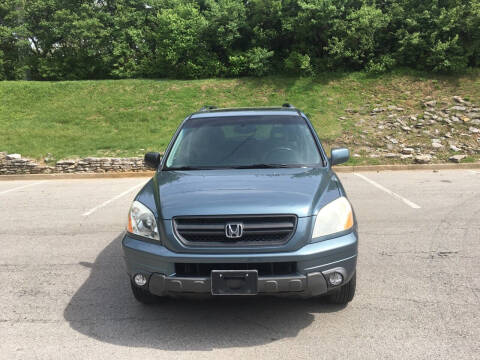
x=66, y=295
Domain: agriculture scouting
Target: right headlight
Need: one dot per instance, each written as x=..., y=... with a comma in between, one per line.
x=334, y=217
x=141, y=221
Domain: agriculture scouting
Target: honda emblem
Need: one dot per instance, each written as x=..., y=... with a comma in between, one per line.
x=234, y=230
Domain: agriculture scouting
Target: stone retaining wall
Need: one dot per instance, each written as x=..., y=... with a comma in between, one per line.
x=11, y=164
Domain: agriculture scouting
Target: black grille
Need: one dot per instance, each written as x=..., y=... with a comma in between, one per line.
x=264, y=269
x=257, y=230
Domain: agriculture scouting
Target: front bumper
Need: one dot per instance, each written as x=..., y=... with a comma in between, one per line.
x=312, y=260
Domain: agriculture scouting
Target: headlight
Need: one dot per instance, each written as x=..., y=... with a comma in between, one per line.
x=334, y=217
x=142, y=222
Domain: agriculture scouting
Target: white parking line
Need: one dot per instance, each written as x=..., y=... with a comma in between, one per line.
x=21, y=187
x=91, y=211
x=474, y=172
x=377, y=185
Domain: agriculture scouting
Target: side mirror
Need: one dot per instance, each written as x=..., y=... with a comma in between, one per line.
x=152, y=159
x=339, y=156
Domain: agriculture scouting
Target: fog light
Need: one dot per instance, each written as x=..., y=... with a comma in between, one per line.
x=140, y=279
x=335, y=278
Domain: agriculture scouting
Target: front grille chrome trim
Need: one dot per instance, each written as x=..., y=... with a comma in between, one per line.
x=258, y=230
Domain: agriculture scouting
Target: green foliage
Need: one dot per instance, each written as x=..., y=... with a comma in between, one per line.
x=12, y=42
x=381, y=65
x=437, y=35
x=255, y=62
x=354, y=41
x=179, y=47
x=91, y=39
x=297, y=63
x=226, y=21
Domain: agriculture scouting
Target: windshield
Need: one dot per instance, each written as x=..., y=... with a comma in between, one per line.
x=244, y=141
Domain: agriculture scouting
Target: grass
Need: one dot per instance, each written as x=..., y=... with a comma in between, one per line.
x=130, y=117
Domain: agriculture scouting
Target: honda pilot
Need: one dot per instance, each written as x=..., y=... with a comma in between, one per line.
x=243, y=202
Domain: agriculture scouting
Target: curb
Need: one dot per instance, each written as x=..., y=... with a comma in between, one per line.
x=109, y=175
x=346, y=169
x=338, y=169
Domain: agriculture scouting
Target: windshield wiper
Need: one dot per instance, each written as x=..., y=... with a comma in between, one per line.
x=264, y=166
x=250, y=166
x=187, y=168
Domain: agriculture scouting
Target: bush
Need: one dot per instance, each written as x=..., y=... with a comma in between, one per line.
x=385, y=63
x=254, y=62
x=299, y=64
x=91, y=39
x=355, y=40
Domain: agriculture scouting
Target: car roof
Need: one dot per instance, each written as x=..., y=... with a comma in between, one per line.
x=221, y=112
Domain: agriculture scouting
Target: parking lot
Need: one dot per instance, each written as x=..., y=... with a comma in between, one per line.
x=66, y=295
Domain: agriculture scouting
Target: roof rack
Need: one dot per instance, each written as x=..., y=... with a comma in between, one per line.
x=208, y=107
x=290, y=106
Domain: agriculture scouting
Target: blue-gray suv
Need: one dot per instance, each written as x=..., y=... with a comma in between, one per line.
x=243, y=202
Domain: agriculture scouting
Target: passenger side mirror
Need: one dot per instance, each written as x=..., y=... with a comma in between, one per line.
x=339, y=156
x=152, y=159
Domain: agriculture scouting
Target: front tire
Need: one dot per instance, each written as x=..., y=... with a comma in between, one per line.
x=143, y=296
x=345, y=294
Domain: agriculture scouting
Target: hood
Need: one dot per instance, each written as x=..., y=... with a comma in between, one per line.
x=243, y=191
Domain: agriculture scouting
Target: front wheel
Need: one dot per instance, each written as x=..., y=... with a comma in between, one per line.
x=142, y=295
x=345, y=294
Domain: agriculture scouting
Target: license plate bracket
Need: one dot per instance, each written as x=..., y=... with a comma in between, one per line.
x=234, y=282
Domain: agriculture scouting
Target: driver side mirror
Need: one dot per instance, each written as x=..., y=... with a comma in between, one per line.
x=339, y=156
x=152, y=159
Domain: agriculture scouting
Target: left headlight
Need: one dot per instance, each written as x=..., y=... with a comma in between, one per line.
x=142, y=222
x=334, y=217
